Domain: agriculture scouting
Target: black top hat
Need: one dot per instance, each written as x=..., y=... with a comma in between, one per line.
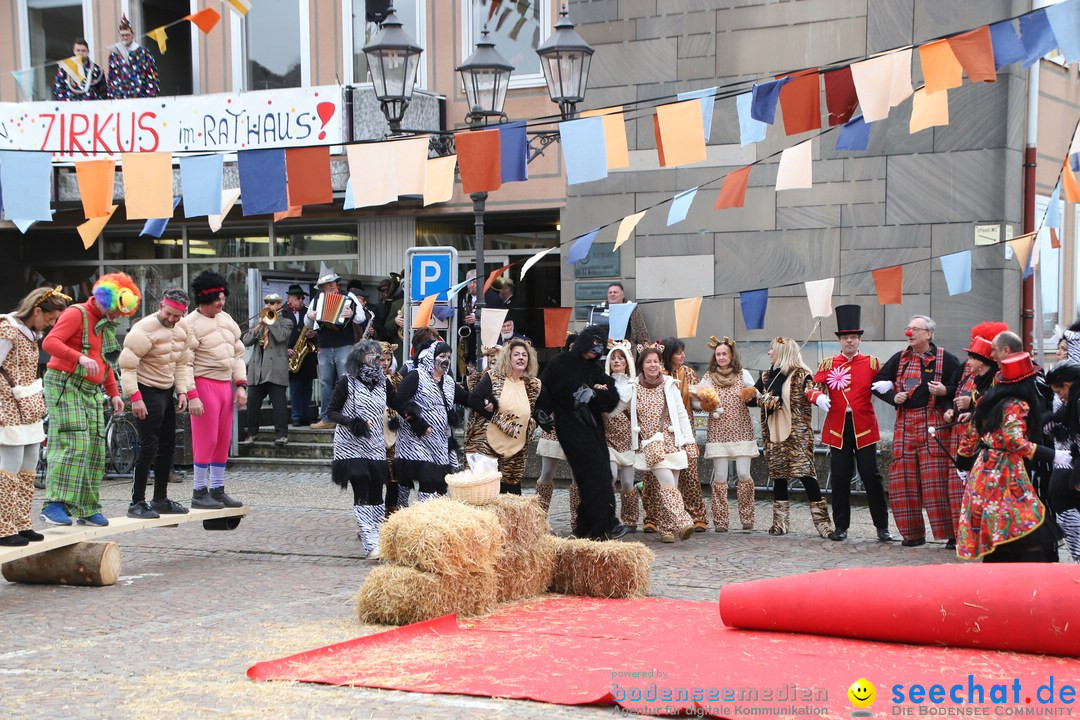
x=848, y=319
x=296, y=290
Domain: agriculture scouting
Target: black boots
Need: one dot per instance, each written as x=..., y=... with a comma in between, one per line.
x=219, y=495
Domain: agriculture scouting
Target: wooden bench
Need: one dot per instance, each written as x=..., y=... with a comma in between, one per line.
x=68, y=555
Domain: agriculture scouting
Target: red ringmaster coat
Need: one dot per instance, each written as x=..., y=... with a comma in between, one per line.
x=848, y=382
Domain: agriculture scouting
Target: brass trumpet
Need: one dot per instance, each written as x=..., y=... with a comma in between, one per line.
x=268, y=316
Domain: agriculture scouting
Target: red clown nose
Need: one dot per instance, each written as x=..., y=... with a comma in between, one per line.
x=908, y=332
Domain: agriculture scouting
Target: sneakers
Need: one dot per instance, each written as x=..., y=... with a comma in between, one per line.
x=281, y=441
x=226, y=501
x=54, y=513
x=201, y=500
x=249, y=440
x=141, y=511
x=32, y=535
x=97, y=520
x=14, y=541
x=168, y=507
x=323, y=425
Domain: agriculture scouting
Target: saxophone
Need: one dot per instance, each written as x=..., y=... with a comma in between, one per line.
x=301, y=350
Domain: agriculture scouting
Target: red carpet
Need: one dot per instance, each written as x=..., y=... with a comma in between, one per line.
x=1022, y=607
x=575, y=651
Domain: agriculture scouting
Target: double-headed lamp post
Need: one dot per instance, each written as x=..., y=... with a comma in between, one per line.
x=393, y=58
x=485, y=75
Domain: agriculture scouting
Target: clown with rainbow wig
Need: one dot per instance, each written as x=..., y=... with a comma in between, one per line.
x=84, y=354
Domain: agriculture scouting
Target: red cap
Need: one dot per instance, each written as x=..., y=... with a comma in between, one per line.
x=982, y=349
x=1016, y=367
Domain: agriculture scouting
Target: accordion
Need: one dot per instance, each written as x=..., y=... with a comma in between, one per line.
x=331, y=306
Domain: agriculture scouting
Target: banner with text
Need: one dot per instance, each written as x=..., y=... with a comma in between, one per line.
x=290, y=117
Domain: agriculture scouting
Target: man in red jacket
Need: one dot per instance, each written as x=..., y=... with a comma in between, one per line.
x=84, y=352
x=851, y=427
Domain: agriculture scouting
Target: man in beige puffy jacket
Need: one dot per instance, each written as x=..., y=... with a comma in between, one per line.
x=155, y=363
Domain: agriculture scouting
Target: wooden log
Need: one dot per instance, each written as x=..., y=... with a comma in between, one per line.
x=96, y=564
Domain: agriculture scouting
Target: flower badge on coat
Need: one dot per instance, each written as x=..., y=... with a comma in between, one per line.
x=838, y=379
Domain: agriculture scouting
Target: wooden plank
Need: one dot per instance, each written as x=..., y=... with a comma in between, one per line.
x=62, y=536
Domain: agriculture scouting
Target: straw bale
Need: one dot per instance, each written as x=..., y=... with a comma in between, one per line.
x=525, y=572
x=522, y=518
x=442, y=536
x=396, y=595
x=601, y=569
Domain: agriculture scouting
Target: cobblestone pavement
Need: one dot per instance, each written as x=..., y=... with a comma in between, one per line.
x=194, y=609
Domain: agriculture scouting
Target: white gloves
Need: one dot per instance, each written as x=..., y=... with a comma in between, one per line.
x=882, y=386
x=1062, y=459
x=823, y=403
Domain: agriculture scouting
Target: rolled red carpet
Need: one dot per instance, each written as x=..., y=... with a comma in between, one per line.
x=1023, y=607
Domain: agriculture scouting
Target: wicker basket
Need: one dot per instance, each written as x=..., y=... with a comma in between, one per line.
x=474, y=489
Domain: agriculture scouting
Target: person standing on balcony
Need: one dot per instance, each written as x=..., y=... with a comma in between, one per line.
x=155, y=363
x=84, y=351
x=86, y=81
x=132, y=68
x=268, y=369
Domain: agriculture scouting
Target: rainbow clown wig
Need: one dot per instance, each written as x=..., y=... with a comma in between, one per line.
x=117, y=292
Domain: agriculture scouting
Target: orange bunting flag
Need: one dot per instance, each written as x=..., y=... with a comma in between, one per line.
x=423, y=313
x=148, y=185
x=205, y=19
x=1072, y=188
x=682, y=132
x=687, y=311
x=659, y=140
x=618, y=152
x=733, y=191
x=889, y=283
x=975, y=52
x=479, y=160
x=1055, y=241
x=556, y=321
x=494, y=274
x=928, y=110
x=96, y=178
x=308, y=171
x=90, y=229
x=941, y=70
x=294, y=211
x=1022, y=246
x=800, y=100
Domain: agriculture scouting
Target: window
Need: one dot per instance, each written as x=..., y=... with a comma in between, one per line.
x=362, y=18
x=1048, y=278
x=202, y=242
x=323, y=241
x=52, y=26
x=276, y=31
x=517, y=27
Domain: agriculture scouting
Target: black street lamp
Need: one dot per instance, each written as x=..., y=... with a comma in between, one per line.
x=566, y=58
x=393, y=58
x=484, y=78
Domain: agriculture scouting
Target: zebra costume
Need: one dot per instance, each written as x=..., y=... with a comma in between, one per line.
x=424, y=403
x=357, y=406
x=1064, y=499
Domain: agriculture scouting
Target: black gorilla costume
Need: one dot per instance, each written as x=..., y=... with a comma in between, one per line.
x=568, y=392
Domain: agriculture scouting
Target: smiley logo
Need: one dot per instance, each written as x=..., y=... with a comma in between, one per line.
x=862, y=693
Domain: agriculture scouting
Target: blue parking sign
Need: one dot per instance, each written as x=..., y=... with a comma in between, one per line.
x=430, y=273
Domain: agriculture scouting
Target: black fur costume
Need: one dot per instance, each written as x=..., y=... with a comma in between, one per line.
x=580, y=428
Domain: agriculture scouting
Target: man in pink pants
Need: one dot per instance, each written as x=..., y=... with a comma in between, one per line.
x=220, y=384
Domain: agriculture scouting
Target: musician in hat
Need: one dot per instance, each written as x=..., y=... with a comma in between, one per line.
x=851, y=427
x=132, y=68
x=268, y=368
x=308, y=369
x=80, y=79
x=332, y=316
x=921, y=382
